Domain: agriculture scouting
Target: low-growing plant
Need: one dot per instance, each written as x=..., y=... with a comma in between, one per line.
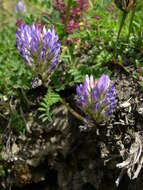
x=13, y=73
x=45, y=106
x=17, y=123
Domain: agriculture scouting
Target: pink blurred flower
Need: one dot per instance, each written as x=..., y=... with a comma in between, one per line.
x=97, y=17
x=75, y=13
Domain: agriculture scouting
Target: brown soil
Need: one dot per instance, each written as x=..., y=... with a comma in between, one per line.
x=59, y=156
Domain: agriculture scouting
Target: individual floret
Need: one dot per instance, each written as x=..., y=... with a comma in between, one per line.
x=20, y=7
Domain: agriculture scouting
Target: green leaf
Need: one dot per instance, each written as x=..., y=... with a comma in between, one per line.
x=49, y=100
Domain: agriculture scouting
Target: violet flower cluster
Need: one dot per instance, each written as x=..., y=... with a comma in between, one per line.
x=40, y=48
x=96, y=99
x=20, y=7
x=75, y=13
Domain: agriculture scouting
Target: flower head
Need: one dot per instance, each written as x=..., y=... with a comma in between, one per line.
x=82, y=4
x=74, y=15
x=96, y=99
x=40, y=48
x=20, y=7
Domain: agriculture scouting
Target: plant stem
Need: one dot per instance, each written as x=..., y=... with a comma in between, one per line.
x=124, y=15
x=24, y=120
x=67, y=14
x=73, y=112
x=26, y=99
x=91, y=3
x=131, y=22
x=1, y=115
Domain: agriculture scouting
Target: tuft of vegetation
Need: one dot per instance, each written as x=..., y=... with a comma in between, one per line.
x=49, y=100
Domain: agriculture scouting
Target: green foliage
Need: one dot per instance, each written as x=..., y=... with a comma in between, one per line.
x=2, y=171
x=13, y=73
x=17, y=123
x=45, y=106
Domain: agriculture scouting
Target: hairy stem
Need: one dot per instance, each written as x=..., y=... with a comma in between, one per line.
x=73, y=112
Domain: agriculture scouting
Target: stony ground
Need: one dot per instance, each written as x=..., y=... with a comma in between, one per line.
x=59, y=155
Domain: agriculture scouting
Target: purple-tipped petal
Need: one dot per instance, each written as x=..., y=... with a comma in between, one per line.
x=92, y=82
x=82, y=96
x=19, y=7
x=96, y=107
x=103, y=83
x=95, y=94
x=110, y=100
x=87, y=83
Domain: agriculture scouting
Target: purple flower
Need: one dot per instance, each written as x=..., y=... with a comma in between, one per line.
x=83, y=92
x=103, y=83
x=20, y=7
x=40, y=48
x=96, y=99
